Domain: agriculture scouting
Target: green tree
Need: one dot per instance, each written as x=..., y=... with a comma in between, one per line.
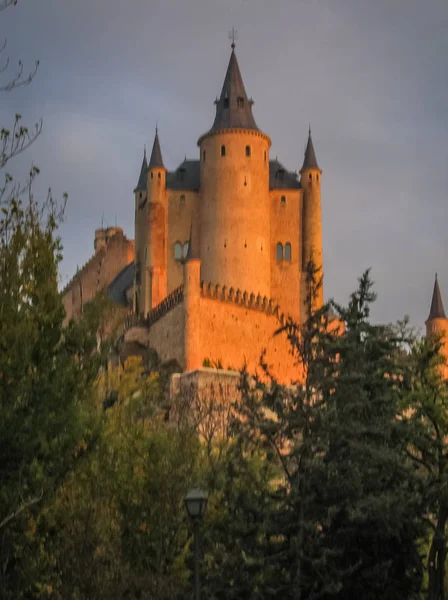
x=426, y=412
x=46, y=375
x=119, y=526
x=346, y=517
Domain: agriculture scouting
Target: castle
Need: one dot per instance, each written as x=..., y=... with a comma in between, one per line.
x=221, y=248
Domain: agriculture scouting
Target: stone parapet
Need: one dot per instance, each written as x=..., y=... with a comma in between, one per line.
x=172, y=300
x=242, y=298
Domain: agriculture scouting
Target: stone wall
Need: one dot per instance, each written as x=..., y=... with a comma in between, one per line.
x=100, y=270
x=181, y=215
x=286, y=208
x=232, y=335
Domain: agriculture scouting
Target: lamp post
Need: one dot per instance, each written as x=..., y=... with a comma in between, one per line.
x=196, y=503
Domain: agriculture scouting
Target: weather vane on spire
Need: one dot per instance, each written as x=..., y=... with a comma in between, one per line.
x=233, y=35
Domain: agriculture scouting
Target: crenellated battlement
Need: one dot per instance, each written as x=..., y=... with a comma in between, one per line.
x=242, y=298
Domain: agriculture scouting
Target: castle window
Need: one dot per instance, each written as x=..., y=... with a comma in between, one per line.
x=279, y=252
x=240, y=102
x=310, y=177
x=247, y=150
x=223, y=150
x=283, y=200
x=185, y=250
x=288, y=251
x=181, y=174
x=265, y=155
x=182, y=199
x=226, y=103
x=152, y=175
x=281, y=174
x=203, y=155
x=178, y=251
x=317, y=177
x=140, y=195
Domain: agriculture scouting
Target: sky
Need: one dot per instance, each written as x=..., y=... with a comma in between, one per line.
x=371, y=76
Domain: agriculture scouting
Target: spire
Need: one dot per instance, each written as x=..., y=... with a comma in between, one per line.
x=310, y=161
x=141, y=185
x=234, y=108
x=437, y=311
x=156, y=159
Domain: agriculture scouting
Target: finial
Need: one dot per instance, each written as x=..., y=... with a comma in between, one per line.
x=233, y=36
x=309, y=130
x=436, y=275
x=157, y=128
x=144, y=151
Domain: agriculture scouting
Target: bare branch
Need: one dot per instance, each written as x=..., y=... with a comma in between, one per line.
x=18, y=140
x=21, y=508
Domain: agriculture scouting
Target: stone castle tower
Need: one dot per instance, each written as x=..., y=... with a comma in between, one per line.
x=437, y=323
x=251, y=223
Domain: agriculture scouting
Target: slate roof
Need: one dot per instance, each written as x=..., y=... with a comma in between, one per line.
x=280, y=178
x=310, y=161
x=156, y=159
x=234, y=108
x=437, y=311
x=122, y=282
x=185, y=177
x=141, y=185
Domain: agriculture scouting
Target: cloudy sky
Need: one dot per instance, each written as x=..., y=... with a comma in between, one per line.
x=370, y=75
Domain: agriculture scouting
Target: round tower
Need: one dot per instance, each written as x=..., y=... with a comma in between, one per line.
x=151, y=234
x=310, y=175
x=140, y=194
x=234, y=196
x=437, y=324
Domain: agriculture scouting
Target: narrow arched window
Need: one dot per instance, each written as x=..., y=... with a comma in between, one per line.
x=185, y=250
x=247, y=150
x=178, y=251
x=182, y=199
x=240, y=102
x=152, y=175
x=223, y=150
x=310, y=177
x=283, y=200
x=160, y=176
x=279, y=252
x=265, y=156
x=226, y=103
x=288, y=251
x=203, y=155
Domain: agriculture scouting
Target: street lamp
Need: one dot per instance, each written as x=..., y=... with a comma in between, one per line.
x=196, y=503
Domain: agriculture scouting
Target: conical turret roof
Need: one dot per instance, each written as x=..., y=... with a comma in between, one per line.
x=156, y=159
x=437, y=311
x=310, y=160
x=234, y=108
x=141, y=185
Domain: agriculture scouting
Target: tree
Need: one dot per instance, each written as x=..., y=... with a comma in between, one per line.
x=345, y=518
x=46, y=375
x=426, y=412
x=119, y=516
